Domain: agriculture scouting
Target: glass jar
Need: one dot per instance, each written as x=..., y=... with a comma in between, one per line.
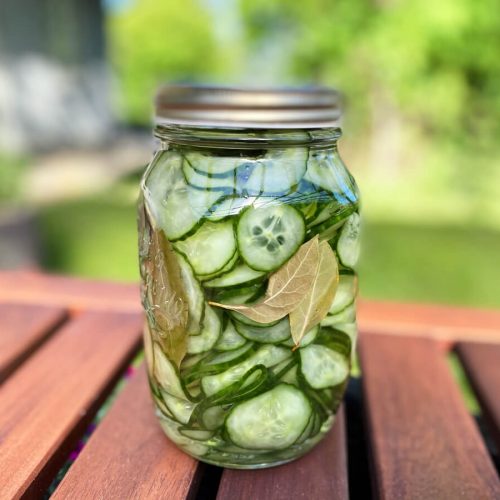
x=249, y=225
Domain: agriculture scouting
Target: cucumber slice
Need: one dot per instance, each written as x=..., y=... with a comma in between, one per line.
x=176, y=207
x=166, y=374
x=243, y=320
x=204, y=182
x=327, y=171
x=225, y=269
x=351, y=330
x=268, y=355
x=211, y=165
x=210, y=248
x=161, y=407
x=347, y=315
x=241, y=275
x=226, y=357
x=266, y=335
x=230, y=339
x=214, y=417
x=308, y=338
x=290, y=377
x=273, y=420
x=323, y=367
x=268, y=237
x=194, y=294
x=196, y=434
x=348, y=244
x=171, y=429
x=240, y=295
x=277, y=173
x=209, y=333
x=346, y=293
x=230, y=205
x=179, y=408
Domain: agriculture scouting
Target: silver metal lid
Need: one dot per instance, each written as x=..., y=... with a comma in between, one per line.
x=276, y=108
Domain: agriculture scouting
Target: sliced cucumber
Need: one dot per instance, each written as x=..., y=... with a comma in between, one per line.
x=209, y=333
x=211, y=165
x=242, y=319
x=166, y=374
x=230, y=339
x=323, y=367
x=196, y=434
x=273, y=420
x=176, y=207
x=214, y=417
x=210, y=248
x=267, y=355
x=161, y=407
x=181, y=409
x=194, y=294
x=307, y=339
x=351, y=330
x=230, y=205
x=347, y=315
x=204, y=182
x=348, y=244
x=268, y=237
x=290, y=377
x=226, y=357
x=231, y=263
x=240, y=296
x=346, y=293
x=277, y=173
x=241, y=275
x=266, y=335
x=327, y=171
x=171, y=429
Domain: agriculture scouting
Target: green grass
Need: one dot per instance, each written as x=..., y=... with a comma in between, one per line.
x=97, y=238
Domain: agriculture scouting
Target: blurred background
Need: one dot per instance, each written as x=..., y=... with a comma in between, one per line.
x=421, y=127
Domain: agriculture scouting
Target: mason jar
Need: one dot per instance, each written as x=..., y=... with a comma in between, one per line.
x=248, y=236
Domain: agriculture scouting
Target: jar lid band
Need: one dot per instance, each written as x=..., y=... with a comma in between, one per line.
x=263, y=108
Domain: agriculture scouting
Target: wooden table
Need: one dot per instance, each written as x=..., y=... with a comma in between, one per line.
x=404, y=434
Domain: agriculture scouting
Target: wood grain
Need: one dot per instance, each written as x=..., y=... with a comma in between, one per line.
x=47, y=403
x=319, y=475
x=482, y=365
x=424, y=443
x=23, y=328
x=129, y=456
x=75, y=294
x=438, y=322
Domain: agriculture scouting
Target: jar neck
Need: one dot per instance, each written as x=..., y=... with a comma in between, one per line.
x=234, y=138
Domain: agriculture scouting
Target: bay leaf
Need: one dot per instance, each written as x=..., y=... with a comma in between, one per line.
x=162, y=290
x=315, y=304
x=286, y=288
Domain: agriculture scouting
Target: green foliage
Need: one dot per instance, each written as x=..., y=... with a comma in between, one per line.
x=157, y=41
x=12, y=169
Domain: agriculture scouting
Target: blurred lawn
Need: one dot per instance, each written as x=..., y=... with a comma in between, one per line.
x=97, y=238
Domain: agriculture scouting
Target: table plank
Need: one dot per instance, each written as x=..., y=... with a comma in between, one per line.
x=446, y=323
x=48, y=402
x=482, y=365
x=129, y=456
x=424, y=443
x=23, y=328
x=73, y=293
x=321, y=474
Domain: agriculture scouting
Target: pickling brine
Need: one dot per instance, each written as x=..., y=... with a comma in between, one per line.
x=247, y=255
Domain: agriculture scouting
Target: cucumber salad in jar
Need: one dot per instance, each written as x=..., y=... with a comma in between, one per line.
x=248, y=248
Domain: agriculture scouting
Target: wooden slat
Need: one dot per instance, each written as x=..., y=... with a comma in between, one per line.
x=49, y=400
x=23, y=328
x=129, y=456
x=482, y=365
x=73, y=293
x=321, y=474
x=439, y=322
x=424, y=443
